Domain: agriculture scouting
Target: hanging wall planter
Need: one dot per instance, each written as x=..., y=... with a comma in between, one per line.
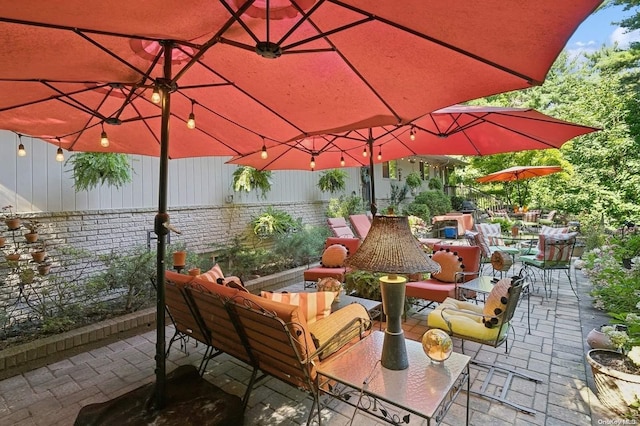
x=12, y=257
x=43, y=268
x=39, y=256
x=13, y=223
x=31, y=237
x=2, y=241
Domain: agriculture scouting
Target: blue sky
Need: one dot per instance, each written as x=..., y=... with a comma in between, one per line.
x=598, y=30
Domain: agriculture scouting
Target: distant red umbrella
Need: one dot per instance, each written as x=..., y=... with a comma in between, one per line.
x=455, y=130
x=518, y=173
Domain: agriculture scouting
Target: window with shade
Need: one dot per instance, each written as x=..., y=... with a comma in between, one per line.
x=390, y=169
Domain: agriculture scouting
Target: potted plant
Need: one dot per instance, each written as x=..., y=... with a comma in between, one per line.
x=3, y=240
x=44, y=268
x=332, y=181
x=413, y=181
x=39, y=254
x=13, y=256
x=617, y=372
x=10, y=218
x=33, y=226
x=27, y=275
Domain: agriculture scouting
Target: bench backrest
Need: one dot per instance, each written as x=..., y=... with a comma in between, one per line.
x=214, y=314
x=279, y=348
x=185, y=319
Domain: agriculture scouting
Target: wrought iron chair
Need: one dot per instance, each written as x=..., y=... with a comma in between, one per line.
x=555, y=252
x=488, y=325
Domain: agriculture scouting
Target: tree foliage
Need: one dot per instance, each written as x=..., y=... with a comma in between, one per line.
x=601, y=175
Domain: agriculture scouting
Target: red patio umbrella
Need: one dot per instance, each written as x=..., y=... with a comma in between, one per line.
x=257, y=71
x=518, y=173
x=455, y=130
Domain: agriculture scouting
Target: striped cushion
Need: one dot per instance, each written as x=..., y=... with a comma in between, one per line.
x=490, y=234
x=212, y=274
x=550, y=230
x=314, y=306
x=556, y=247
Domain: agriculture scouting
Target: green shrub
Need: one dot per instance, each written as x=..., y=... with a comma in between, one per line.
x=344, y=206
x=437, y=202
x=419, y=210
x=273, y=221
x=435, y=183
x=301, y=247
x=456, y=202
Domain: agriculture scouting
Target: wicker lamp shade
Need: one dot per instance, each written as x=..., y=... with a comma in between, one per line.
x=390, y=247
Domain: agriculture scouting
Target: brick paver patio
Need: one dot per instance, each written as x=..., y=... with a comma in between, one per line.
x=553, y=352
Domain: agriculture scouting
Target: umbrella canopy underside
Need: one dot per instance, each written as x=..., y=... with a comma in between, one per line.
x=71, y=70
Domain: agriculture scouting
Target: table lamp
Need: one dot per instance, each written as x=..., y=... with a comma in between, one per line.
x=391, y=248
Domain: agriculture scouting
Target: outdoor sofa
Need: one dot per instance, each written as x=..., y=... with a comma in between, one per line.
x=271, y=337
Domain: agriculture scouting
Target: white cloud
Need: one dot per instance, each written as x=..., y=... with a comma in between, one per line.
x=583, y=44
x=623, y=37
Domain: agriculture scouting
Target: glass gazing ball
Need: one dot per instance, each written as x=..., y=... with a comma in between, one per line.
x=437, y=344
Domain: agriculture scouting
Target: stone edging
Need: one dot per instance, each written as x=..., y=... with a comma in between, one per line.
x=17, y=356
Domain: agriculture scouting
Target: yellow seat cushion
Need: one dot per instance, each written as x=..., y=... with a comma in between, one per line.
x=466, y=323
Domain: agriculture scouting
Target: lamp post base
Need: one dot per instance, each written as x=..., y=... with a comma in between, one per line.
x=394, y=349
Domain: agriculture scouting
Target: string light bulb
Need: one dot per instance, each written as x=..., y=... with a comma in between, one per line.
x=364, y=152
x=21, y=151
x=313, y=162
x=155, y=96
x=104, y=139
x=191, y=122
x=380, y=154
x=412, y=134
x=342, y=161
x=263, y=153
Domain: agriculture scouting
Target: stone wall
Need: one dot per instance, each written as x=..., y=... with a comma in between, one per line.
x=102, y=232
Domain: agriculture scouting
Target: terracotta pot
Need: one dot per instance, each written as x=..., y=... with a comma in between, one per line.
x=179, y=259
x=14, y=257
x=31, y=237
x=194, y=271
x=39, y=256
x=44, y=269
x=515, y=231
x=596, y=339
x=13, y=224
x=2, y=241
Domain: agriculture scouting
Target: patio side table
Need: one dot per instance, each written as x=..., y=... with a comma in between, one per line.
x=425, y=389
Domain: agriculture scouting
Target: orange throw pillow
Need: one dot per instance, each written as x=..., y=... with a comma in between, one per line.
x=334, y=256
x=450, y=264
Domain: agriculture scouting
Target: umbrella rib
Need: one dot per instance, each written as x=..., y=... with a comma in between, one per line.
x=108, y=52
x=244, y=92
x=463, y=52
x=323, y=34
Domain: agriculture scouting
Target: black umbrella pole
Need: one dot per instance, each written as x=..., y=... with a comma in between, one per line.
x=161, y=231
x=374, y=207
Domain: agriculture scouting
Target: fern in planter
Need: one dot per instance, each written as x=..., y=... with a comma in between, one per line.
x=247, y=179
x=273, y=221
x=332, y=181
x=91, y=169
x=413, y=181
